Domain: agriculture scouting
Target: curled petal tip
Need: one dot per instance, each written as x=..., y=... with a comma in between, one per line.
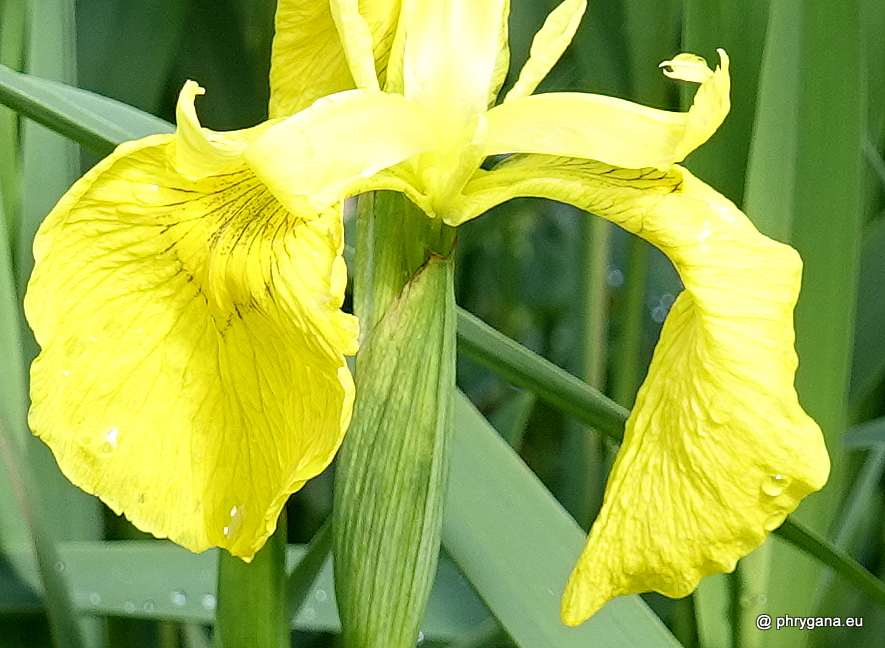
x=687, y=67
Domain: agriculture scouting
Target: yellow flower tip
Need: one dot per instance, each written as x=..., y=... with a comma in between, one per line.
x=692, y=68
x=199, y=152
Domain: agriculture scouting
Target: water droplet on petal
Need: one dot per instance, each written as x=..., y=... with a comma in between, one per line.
x=59, y=567
x=420, y=638
x=774, y=485
x=208, y=602
x=110, y=442
x=321, y=595
x=309, y=614
x=94, y=598
x=74, y=348
x=128, y=607
x=774, y=520
x=236, y=515
x=148, y=606
x=178, y=598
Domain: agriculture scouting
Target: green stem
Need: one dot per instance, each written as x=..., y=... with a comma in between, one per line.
x=252, y=597
x=391, y=471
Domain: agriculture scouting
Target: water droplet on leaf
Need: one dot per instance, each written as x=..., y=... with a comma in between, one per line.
x=178, y=598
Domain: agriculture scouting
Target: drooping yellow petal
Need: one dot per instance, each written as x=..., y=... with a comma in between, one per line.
x=607, y=129
x=308, y=61
x=547, y=46
x=311, y=158
x=192, y=371
x=717, y=450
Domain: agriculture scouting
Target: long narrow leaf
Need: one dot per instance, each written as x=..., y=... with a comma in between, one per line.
x=524, y=368
x=96, y=122
x=65, y=629
x=517, y=545
x=147, y=579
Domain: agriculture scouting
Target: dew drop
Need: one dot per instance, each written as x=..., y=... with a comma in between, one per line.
x=59, y=567
x=110, y=443
x=659, y=314
x=236, y=519
x=148, y=606
x=74, y=348
x=94, y=598
x=774, y=485
x=420, y=638
x=309, y=614
x=129, y=607
x=146, y=193
x=615, y=278
x=774, y=520
x=208, y=602
x=321, y=595
x=178, y=598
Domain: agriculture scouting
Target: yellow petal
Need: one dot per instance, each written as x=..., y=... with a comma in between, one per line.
x=200, y=152
x=451, y=56
x=308, y=61
x=192, y=371
x=311, y=158
x=717, y=450
x=607, y=129
x=356, y=40
x=547, y=46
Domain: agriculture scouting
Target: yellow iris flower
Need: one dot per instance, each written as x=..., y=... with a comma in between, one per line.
x=187, y=290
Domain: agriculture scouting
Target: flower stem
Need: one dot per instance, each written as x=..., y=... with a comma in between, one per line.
x=252, y=597
x=391, y=472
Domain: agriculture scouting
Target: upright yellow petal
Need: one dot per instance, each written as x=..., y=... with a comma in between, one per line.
x=450, y=58
x=548, y=46
x=192, y=371
x=308, y=61
x=611, y=130
x=717, y=450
